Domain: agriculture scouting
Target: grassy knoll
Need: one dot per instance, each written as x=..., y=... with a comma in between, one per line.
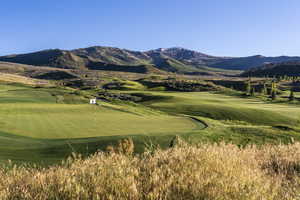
x=223, y=107
x=230, y=118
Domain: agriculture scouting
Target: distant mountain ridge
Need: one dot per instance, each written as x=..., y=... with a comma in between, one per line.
x=176, y=59
x=245, y=63
x=186, y=55
x=291, y=68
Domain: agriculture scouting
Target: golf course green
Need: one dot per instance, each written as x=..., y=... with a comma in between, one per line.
x=40, y=123
x=45, y=125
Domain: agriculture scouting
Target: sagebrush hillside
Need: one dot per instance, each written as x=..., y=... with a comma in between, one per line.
x=38, y=72
x=175, y=59
x=245, y=63
x=108, y=58
x=275, y=69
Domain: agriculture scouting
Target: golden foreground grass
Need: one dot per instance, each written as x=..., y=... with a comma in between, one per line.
x=184, y=172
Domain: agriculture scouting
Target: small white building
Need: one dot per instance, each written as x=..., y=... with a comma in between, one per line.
x=93, y=101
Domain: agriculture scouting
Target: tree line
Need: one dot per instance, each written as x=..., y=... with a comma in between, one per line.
x=269, y=87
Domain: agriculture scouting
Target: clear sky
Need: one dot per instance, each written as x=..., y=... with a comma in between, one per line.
x=217, y=27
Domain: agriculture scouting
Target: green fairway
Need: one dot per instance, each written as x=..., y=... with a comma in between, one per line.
x=34, y=113
x=45, y=125
x=34, y=125
x=231, y=119
x=223, y=107
x=76, y=121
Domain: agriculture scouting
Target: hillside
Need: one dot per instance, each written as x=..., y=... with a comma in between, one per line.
x=101, y=58
x=38, y=72
x=244, y=63
x=54, y=58
x=11, y=78
x=176, y=59
x=275, y=69
x=186, y=56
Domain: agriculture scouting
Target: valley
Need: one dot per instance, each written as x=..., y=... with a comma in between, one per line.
x=161, y=110
x=45, y=123
x=149, y=100
x=164, y=106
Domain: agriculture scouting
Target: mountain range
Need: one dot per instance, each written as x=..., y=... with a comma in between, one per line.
x=176, y=59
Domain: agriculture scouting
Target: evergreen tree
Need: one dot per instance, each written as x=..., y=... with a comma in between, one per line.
x=275, y=87
x=273, y=95
x=291, y=97
x=252, y=92
x=248, y=87
x=265, y=90
x=273, y=91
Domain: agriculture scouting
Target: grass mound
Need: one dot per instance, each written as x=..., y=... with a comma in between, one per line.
x=222, y=107
x=221, y=112
x=124, y=85
x=182, y=172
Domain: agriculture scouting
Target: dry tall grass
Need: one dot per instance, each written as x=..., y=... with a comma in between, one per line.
x=183, y=172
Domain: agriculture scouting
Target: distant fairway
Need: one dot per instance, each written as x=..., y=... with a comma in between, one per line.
x=223, y=107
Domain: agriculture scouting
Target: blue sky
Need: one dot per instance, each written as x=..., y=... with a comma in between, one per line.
x=217, y=27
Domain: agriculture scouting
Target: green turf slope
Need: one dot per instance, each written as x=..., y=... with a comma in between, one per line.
x=223, y=107
x=45, y=124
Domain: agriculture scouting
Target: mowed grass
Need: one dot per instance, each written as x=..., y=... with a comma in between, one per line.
x=48, y=124
x=223, y=107
x=77, y=121
x=232, y=119
x=35, y=126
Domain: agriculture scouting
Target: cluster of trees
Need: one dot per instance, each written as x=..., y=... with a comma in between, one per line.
x=286, y=78
x=267, y=89
x=190, y=86
x=107, y=96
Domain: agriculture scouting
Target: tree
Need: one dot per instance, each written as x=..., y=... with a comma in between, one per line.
x=273, y=95
x=252, y=91
x=273, y=91
x=248, y=87
x=265, y=89
x=291, y=97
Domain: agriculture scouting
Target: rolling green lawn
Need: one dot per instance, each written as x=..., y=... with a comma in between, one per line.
x=224, y=107
x=232, y=119
x=35, y=126
x=52, y=121
x=45, y=125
